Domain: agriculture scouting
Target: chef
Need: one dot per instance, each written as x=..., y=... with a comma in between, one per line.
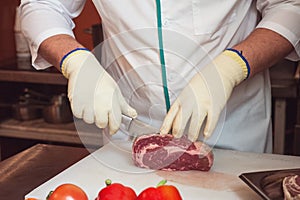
x=197, y=68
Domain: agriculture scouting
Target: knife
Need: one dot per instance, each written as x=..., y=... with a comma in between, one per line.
x=134, y=127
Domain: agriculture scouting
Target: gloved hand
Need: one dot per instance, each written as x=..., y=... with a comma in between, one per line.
x=94, y=96
x=206, y=95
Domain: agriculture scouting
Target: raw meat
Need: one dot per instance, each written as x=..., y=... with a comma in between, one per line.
x=168, y=153
x=272, y=183
x=291, y=187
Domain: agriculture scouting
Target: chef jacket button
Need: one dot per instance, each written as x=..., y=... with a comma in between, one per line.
x=172, y=77
x=166, y=23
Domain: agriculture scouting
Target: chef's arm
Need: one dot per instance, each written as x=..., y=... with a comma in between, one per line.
x=260, y=50
x=263, y=48
x=54, y=48
x=42, y=19
x=94, y=95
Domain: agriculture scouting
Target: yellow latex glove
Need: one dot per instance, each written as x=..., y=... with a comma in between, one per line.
x=94, y=95
x=205, y=96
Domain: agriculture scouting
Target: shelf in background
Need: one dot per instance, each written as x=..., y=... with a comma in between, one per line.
x=33, y=77
x=38, y=129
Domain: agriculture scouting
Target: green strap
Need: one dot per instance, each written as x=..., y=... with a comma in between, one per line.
x=161, y=54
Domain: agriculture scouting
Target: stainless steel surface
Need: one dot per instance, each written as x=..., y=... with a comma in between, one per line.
x=268, y=184
x=25, y=171
x=24, y=112
x=29, y=106
x=33, y=105
x=134, y=127
x=28, y=93
x=59, y=111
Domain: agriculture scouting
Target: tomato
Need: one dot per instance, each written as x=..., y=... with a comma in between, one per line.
x=67, y=191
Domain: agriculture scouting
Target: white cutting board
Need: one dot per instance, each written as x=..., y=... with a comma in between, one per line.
x=113, y=161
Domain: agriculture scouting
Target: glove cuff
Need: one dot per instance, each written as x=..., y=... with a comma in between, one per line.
x=240, y=59
x=67, y=57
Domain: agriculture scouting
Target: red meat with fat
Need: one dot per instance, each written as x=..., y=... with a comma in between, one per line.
x=291, y=187
x=168, y=153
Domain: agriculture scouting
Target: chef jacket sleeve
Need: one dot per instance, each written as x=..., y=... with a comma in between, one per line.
x=41, y=19
x=282, y=17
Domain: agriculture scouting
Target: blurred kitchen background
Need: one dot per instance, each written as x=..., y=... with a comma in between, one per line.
x=34, y=107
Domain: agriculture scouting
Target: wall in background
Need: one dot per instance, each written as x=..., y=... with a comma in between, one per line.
x=88, y=17
x=7, y=40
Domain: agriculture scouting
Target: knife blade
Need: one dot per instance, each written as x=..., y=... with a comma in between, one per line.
x=134, y=127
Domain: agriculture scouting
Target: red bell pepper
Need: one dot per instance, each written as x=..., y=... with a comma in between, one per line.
x=161, y=192
x=116, y=191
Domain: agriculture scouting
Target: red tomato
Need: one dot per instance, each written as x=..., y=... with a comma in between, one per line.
x=67, y=191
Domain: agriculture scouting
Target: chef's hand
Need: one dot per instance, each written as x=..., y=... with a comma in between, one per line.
x=94, y=96
x=206, y=95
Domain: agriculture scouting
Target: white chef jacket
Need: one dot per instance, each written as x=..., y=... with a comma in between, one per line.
x=194, y=32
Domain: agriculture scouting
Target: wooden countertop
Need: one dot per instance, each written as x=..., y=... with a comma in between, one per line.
x=27, y=170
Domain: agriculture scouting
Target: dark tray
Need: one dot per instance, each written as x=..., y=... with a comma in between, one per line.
x=268, y=184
